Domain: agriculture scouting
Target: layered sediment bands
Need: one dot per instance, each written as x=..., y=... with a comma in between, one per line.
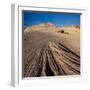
x=48, y=54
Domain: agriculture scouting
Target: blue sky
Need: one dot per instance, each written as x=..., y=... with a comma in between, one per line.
x=59, y=19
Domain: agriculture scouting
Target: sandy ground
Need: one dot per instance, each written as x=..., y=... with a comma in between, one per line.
x=48, y=52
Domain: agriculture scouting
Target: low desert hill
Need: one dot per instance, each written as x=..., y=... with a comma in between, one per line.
x=51, y=51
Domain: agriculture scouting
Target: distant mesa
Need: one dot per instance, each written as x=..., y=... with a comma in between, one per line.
x=49, y=26
x=46, y=25
x=41, y=26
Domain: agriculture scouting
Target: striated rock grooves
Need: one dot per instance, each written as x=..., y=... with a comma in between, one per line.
x=46, y=54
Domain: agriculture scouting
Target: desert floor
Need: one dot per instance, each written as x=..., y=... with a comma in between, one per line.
x=48, y=52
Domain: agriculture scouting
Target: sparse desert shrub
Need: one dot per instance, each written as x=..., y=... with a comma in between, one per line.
x=61, y=31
